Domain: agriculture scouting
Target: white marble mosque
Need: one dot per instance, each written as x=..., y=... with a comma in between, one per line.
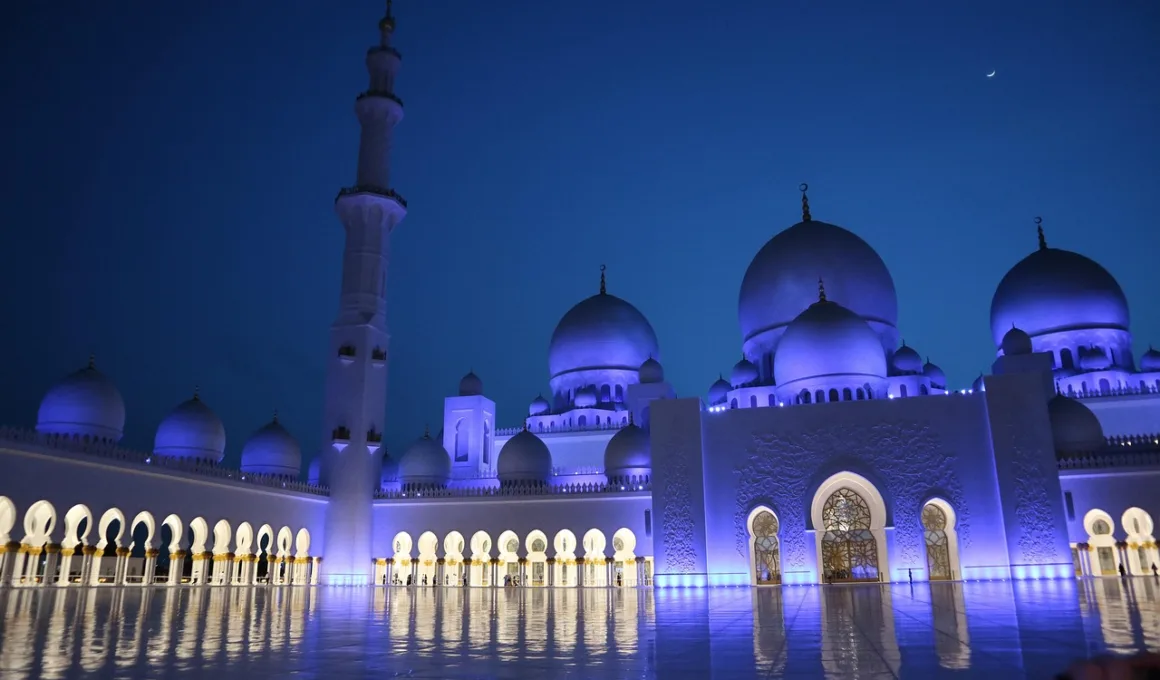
x=832, y=452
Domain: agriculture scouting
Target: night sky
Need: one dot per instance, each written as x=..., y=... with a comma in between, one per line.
x=170, y=169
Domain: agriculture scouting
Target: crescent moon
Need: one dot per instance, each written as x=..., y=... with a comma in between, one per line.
x=992, y=74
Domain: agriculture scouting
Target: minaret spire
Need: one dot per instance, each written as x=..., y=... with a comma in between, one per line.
x=822, y=292
x=603, y=286
x=356, y=379
x=1039, y=229
x=803, y=187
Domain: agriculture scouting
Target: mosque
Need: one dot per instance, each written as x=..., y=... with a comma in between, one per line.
x=832, y=452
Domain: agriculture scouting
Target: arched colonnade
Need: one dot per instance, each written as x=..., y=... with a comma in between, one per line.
x=1128, y=544
x=82, y=548
x=533, y=560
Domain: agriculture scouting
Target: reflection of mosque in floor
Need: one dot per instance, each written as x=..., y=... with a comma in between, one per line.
x=833, y=452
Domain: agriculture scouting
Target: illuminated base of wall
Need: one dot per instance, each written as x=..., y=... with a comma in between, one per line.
x=1021, y=572
x=346, y=580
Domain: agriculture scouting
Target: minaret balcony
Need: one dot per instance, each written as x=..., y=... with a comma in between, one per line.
x=382, y=94
x=346, y=354
x=378, y=357
x=340, y=437
x=374, y=440
x=372, y=190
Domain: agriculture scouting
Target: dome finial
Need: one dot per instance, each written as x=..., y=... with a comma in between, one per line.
x=426, y=431
x=1039, y=228
x=197, y=392
x=630, y=421
x=822, y=291
x=603, y=287
x=803, y=187
x=92, y=360
x=387, y=23
x=275, y=420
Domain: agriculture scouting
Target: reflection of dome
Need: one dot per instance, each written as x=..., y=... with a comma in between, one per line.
x=651, y=371
x=828, y=340
x=627, y=454
x=426, y=463
x=390, y=471
x=470, y=385
x=86, y=404
x=191, y=430
x=272, y=451
x=539, y=406
x=934, y=374
x=1074, y=427
x=524, y=458
x=585, y=397
x=779, y=282
x=1150, y=361
x=905, y=360
x=1015, y=343
x=602, y=331
x=744, y=373
x=1057, y=290
x=719, y=391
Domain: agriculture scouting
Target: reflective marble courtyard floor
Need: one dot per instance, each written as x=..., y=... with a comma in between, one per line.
x=997, y=629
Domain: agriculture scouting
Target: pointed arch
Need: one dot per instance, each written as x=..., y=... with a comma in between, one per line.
x=200, y=530
x=39, y=521
x=285, y=541
x=849, y=517
x=142, y=518
x=176, y=531
x=762, y=526
x=302, y=543
x=1142, y=552
x=105, y=529
x=78, y=523
x=222, y=535
x=7, y=518
x=243, y=539
x=940, y=536
x=1101, y=530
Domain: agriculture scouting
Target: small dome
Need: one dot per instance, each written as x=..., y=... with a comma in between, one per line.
x=1054, y=290
x=744, y=373
x=314, y=472
x=778, y=283
x=192, y=431
x=470, y=385
x=426, y=463
x=934, y=374
x=627, y=453
x=719, y=391
x=828, y=340
x=905, y=360
x=979, y=385
x=86, y=404
x=390, y=471
x=585, y=397
x=651, y=371
x=1094, y=359
x=1074, y=427
x=524, y=458
x=602, y=331
x=272, y=451
x=1015, y=343
x=1150, y=361
x=539, y=406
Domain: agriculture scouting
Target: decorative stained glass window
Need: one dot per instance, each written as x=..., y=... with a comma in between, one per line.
x=766, y=550
x=849, y=549
x=938, y=552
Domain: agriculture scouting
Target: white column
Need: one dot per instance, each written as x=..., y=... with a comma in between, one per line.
x=317, y=564
x=66, y=560
x=147, y=576
x=8, y=553
x=88, y=553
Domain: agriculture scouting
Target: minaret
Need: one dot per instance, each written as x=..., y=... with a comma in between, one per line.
x=356, y=378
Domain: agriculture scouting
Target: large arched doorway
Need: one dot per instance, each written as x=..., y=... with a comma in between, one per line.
x=1142, y=553
x=764, y=547
x=1100, y=529
x=938, y=546
x=849, y=550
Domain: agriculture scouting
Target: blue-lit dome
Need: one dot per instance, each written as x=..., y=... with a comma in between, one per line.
x=470, y=385
x=1094, y=359
x=1150, y=361
x=1054, y=290
x=1016, y=343
x=272, y=451
x=390, y=471
x=191, y=431
x=719, y=391
x=651, y=371
x=539, y=406
x=601, y=332
x=86, y=404
x=779, y=284
x=934, y=374
x=524, y=458
x=628, y=454
x=906, y=361
x=828, y=340
x=1075, y=428
x=744, y=373
x=425, y=463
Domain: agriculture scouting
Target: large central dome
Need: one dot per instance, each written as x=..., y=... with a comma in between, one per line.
x=780, y=281
x=601, y=332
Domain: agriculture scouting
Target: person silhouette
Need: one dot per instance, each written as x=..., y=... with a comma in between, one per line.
x=1123, y=571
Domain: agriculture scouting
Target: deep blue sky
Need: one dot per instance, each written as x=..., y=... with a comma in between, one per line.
x=169, y=170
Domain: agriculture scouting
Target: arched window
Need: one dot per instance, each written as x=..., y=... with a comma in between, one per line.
x=923, y=390
x=733, y=404
x=460, y=441
x=849, y=550
x=486, y=444
x=1101, y=528
x=938, y=551
x=772, y=400
x=861, y=394
x=804, y=397
x=902, y=391
x=1105, y=386
x=1065, y=358
x=753, y=401
x=846, y=394
x=833, y=394
x=619, y=393
x=820, y=396
x=766, y=550
x=605, y=393
x=582, y=421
